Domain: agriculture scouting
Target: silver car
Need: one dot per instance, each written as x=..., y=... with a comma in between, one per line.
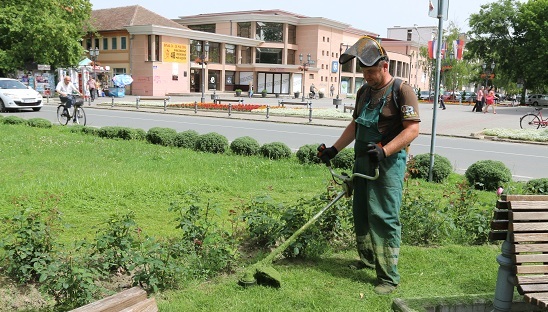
x=16, y=96
x=537, y=100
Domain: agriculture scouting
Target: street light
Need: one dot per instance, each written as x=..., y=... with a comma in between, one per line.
x=94, y=54
x=338, y=101
x=418, y=54
x=304, y=65
x=202, y=61
x=487, y=72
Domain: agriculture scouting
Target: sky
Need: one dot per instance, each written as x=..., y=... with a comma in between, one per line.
x=386, y=14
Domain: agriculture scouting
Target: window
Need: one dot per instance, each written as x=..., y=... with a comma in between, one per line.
x=156, y=48
x=291, y=34
x=194, y=54
x=409, y=34
x=149, y=48
x=96, y=43
x=323, y=39
x=246, y=55
x=268, y=56
x=347, y=67
x=291, y=57
x=206, y=27
x=114, y=43
x=105, y=43
x=327, y=39
x=214, y=55
x=244, y=29
x=123, y=43
x=88, y=44
x=269, y=32
x=119, y=71
x=230, y=54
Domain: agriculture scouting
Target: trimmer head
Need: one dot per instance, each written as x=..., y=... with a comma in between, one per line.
x=260, y=274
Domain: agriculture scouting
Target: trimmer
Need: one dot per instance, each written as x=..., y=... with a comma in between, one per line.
x=262, y=272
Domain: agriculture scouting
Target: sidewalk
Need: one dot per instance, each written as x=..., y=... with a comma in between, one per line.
x=456, y=120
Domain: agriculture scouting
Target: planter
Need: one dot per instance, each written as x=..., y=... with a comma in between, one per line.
x=238, y=93
x=297, y=95
x=337, y=102
x=321, y=95
x=277, y=95
x=263, y=94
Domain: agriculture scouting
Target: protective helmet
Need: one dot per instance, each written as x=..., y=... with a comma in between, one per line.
x=367, y=50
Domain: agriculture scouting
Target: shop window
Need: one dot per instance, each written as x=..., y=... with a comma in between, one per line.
x=123, y=43
x=210, y=28
x=230, y=54
x=105, y=43
x=269, y=32
x=268, y=56
x=244, y=29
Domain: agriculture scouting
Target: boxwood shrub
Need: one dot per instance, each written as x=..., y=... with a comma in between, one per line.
x=186, y=139
x=419, y=166
x=14, y=120
x=344, y=159
x=246, y=146
x=39, y=123
x=308, y=154
x=161, y=136
x=488, y=174
x=275, y=150
x=537, y=186
x=211, y=143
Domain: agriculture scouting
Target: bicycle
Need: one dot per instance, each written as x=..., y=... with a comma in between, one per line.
x=533, y=121
x=79, y=116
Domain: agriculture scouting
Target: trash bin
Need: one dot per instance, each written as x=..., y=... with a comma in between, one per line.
x=117, y=92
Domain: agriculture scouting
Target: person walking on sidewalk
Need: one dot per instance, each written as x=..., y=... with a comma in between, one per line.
x=382, y=127
x=479, y=101
x=92, y=85
x=490, y=101
x=442, y=104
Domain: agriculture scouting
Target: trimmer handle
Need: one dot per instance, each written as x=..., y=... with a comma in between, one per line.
x=324, y=158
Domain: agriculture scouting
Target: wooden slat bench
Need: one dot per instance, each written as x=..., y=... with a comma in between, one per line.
x=218, y=101
x=152, y=98
x=348, y=107
x=522, y=220
x=282, y=103
x=130, y=300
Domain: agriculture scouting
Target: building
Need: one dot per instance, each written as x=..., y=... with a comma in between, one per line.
x=273, y=50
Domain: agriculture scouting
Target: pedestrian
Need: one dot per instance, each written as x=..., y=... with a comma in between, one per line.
x=92, y=88
x=442, y=103
x=479, y=101
x=331, y=90
x=250, y=91
x=490, y=101
x=382, y=128
x=312, y=91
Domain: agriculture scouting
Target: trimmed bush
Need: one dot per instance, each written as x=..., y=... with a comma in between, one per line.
x=344, y=159
x=161, y=136
x=211, y=143
x=186, y=139
x=275, y=150
x=419, y=166
x=537, y=186
x=39, y=123
x=488, y=175
x=14, y=120
x=2, y=119
x=131, y=134
x=108, y=132
x=246, y=146
x=308, y=154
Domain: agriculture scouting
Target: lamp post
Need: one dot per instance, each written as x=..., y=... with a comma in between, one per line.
x=418, y=54
x=94, y=54
x=304, y=65
x=487, y=71
x=202, y=61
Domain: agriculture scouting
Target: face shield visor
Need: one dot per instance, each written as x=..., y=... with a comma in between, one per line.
x=367, y=50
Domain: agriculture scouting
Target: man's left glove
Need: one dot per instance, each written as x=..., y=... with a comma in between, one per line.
x=326, y=153
x=375, y=152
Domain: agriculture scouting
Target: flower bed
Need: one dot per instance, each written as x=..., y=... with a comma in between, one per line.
x=213, y=106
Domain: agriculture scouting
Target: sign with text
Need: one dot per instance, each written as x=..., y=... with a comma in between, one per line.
x=174, y=52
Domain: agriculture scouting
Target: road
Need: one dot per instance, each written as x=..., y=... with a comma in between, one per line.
x=526, y=161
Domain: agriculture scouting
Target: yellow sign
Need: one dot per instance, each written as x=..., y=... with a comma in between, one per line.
x=174, y=52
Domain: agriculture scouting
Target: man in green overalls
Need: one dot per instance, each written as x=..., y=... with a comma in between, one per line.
x=382, y=128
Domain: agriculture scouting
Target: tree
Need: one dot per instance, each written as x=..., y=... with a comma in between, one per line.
x=513, y=35
x=42, y=32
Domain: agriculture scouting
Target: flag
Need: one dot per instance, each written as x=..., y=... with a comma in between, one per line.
x=432, y=49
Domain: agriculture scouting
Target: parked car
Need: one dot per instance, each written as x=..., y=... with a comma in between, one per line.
x=537, y=100
x=425, y=95
x=16, y=96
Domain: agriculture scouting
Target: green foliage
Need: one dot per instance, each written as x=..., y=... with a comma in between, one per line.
x=39, y=123
x=28, y=240
x=186, y=139
x=537, y=186
x=211, y=143
x=275, y=150
x=261, y=216
x=108, y=132
x=126, y=133
x=246, y=146
x=161, y=136
x=488, y=174
x=344, y=159
x=84, y=130
x=14, y=120
x=307, y=154
x=419, y=166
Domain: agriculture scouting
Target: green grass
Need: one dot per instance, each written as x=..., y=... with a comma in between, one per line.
x=93, y=177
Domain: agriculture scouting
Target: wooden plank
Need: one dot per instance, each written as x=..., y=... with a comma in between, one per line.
x=502, y=204
x=518, y=248
x=115, y=302
x=500, y=214
x=529, y=205
x=497, y=236
x=532, y=279
x=529, y=237
x=530, y=258
x=525, y=197
x=528, y=227
x=499, y=225
x=534, y=288
x=529, y=215
x=148, y=305
x=531, y=269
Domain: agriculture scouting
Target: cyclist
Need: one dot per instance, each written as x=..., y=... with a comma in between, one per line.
x=313, y=91
x=66, y=88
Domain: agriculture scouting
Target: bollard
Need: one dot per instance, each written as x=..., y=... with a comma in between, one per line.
x=504, y=289
x=195, y=107
x=112, y=102
x=267, y=111
x=309, y=111
x=137, y=102
x=165, y=105
x=229, y=109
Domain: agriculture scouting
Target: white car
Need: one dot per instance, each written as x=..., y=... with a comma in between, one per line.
x=16, y=96
x=537, y=100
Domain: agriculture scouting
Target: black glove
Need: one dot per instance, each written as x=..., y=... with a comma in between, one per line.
x=326, y=154
x=376, y=153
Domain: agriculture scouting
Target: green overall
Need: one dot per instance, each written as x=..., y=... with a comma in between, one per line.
x=376, y=204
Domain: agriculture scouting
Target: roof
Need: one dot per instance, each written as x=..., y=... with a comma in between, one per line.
x=134, y=15
x=261, y=12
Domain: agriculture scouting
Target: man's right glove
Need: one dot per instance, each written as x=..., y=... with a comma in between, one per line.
x=326, y=153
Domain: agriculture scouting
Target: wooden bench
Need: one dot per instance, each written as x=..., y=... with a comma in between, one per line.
x=166, y=99
x=522, y=221
x=348, y=107
x=282, y=103
x=133, y=299
x=218, y=101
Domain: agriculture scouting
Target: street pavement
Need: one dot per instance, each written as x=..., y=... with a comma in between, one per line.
x=457, y=120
